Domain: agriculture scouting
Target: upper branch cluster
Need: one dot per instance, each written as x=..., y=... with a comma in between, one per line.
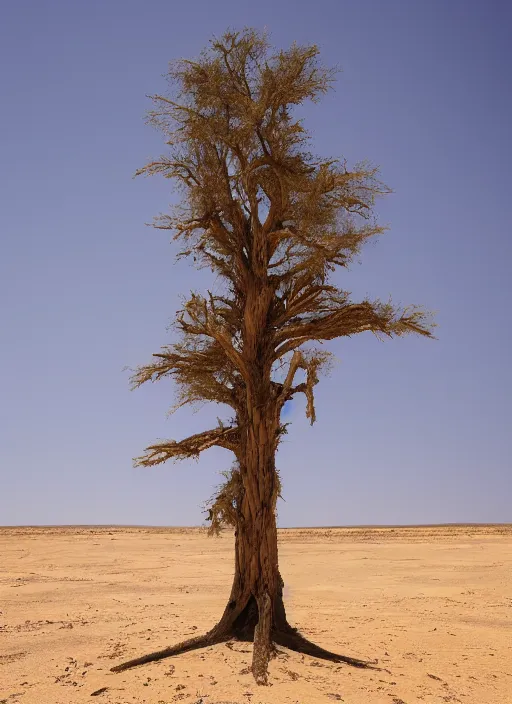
x=264, y=215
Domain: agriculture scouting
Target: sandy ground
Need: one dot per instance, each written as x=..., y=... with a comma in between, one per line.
x=433, y=605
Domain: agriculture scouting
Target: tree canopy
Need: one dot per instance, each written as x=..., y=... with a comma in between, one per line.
x=257, y=205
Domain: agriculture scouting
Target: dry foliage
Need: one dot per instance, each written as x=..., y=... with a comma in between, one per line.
x=258, y=205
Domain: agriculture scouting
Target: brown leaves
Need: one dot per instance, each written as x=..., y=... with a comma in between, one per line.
x=223, y=506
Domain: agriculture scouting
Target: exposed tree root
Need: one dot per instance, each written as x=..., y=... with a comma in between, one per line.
x=195, y=643
x=293, y=640
x=264, y=641
x=259, y=621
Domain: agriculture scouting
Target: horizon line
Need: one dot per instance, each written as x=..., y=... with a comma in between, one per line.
x=317, y=527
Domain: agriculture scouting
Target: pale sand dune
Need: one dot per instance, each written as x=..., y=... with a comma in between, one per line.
x=434, y=605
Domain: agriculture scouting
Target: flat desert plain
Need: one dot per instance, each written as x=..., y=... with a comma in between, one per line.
x=433, y=605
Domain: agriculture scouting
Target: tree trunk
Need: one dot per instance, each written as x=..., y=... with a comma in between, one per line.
x=255, y=610
x=258, y=587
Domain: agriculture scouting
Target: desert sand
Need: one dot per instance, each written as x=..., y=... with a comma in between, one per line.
x=433, y=605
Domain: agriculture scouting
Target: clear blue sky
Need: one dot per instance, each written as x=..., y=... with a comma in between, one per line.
x=408, y=431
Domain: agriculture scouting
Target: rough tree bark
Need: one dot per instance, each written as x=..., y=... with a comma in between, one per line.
x=255, y=610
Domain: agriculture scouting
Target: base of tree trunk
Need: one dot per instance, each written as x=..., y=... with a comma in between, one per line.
x=251, y=624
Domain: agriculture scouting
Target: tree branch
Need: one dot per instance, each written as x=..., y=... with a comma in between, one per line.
x=341, y=319
x=311, y=364
x=190, y=447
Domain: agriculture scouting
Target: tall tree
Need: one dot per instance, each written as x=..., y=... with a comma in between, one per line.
x=273, y=222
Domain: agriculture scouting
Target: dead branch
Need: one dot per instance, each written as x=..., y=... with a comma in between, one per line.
x=190, y=447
